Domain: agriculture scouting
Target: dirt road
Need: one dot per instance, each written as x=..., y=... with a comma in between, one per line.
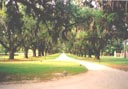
x=98, y=77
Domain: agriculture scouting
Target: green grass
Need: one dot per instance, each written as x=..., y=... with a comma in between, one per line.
x=20, y=56
x=48, y=57
x=104, y=60
x=114, y=60
x=110, y=60
x=45, y=70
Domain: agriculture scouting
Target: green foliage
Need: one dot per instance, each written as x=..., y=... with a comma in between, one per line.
x=127, y=47
x=29, y=22
x=47, y=26
x=111, y=17
x=2, y=13
x=14, y=18
x=2, y=49
x=81, y=35
x=113, y=45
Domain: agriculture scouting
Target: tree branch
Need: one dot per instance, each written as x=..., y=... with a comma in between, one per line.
x=4, y=45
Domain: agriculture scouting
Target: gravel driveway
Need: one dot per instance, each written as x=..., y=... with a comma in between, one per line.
x=98, y=77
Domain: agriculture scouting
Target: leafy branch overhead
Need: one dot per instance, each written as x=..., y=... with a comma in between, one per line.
x=45, y=25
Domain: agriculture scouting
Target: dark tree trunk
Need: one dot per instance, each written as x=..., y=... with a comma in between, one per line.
x=43, y=50
x=34, y=52
x=39, y=52
x=43, y=54
x=97, y=54
x=90, y=54
x=125, y=42
x=11, y=54
x=97, y=57
x=26, y=52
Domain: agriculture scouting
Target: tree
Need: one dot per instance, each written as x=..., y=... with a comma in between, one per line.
x=28, y=28
x=92, y=23
x=12, y=32
x=120, y=21
x=52, y=22
x=113, y=45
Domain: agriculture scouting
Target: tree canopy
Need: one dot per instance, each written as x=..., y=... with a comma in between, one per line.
x=81, y=27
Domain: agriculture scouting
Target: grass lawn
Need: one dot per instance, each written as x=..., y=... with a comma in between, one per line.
x=111, y=61
x=115, y=62
x=20, y=56
x=38, y=70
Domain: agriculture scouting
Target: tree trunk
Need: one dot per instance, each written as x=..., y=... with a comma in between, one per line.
x=39, y=52
x=43, y=54
x=43, y=50
x=125, y=42
x=26, y=52
x=89, y=53
x=97, y=57
x=11, y=54
x=97, y=54
x=34, y=52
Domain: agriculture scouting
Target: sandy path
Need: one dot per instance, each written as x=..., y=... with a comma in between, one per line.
x=98, y=77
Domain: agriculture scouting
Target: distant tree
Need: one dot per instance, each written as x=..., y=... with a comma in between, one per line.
x=28, y=35
x=113, y=45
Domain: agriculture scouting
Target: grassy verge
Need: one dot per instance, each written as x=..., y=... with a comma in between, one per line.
x=48, y=57
x=38, y=70
x=46, y=70
x=114, y=62
x=20, y=56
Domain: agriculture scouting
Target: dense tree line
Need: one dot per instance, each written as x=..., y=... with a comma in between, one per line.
x=44, y=25
x=107, y=27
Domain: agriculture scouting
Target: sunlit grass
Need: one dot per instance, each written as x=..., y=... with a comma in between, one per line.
x=15, y=71
x=42, y=68
x=20, y=56
x=104, y=59
x=114, y=60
